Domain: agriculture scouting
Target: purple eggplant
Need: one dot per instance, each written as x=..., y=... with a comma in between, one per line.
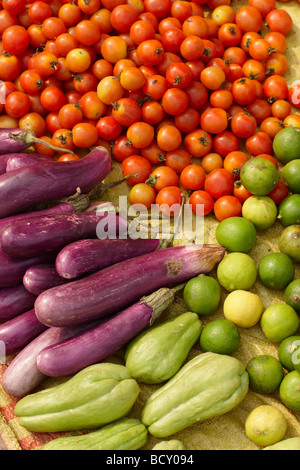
x=69, y=206
x=106, y=338
x=87, y=256
x=120, y=285
x=37, y=279
x=22, y=375
x=18, y=140
x=19, y=331
x=14, y=301
x=21, y=156
x=29, y=186
x=12, y=270
x=19, y=160
x=38, y=235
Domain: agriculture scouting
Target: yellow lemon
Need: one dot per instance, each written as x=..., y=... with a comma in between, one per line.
x=243, y=308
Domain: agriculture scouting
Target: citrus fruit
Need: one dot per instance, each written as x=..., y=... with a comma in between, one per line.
x=261, y=211
x=237, y=271
x=289, y=210
x=279, y=321
x=236, y=234
x=202, y=294
x=289, y=242
x=243, y=308
x=292, y=295
x=291, y=175
x=286, y=144
x=265, y=425
x=265, y=374
x=286, y=349
x=220, y=336
x=289, y=390
x=259, y=176
x=276, y=270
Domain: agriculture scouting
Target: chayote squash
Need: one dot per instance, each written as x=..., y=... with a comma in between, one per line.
x=123, y=434
x=208, y=385
x=293, y=443
x=157, y=353
x=173, y=444
x=97, y=395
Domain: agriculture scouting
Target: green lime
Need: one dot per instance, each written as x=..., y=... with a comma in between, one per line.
x=276, y=270
x=286, y=144
x=261, y=211
x=259, y=176
x=237, y=271
x=221, y=337
x=202, y=294
x=286, y=349
x=236, y=234
x=265, y=374
x=291, y=175
x=289, y=390
x=289, y=242
x=292, y=295
x=265, y=425
x=279, y=321
x=289, y=210
x=243, y=308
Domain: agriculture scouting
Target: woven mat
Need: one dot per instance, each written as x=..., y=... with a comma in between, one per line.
x=228, y=431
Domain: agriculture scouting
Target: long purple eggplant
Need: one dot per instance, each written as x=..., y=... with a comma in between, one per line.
x=14, y=301
x=20, y=157
x=18, y=140
x=98, y=343
x=37, y=279
x=51, y=233
x=12, y=270
x=88, y=256
x=120, y=285
x=69, y=206
x=19, y=160
x=22, y=375
x=29, y=186
x=19, y=331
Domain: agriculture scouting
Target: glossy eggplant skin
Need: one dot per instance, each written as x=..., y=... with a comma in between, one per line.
x=39, y=278
x=37, y=235
x=14, y=301
x=120, y=285
x=19, y=160
x=29, y=186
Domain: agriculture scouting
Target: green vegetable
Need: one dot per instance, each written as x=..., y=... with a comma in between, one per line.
x=174, y=444
x=157, y=354
x=123, y=434
x=97, y=395
x=208, y=385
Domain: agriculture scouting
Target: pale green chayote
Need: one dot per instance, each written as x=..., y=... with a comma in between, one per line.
x=173, y=444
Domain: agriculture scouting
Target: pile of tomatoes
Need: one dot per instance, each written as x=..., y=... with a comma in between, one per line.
x=172, y=88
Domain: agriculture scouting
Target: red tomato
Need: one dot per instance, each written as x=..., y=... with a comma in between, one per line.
x=219, y=182
x=142, y=194
x=136, y=165
x=178, y=159
x=52, y=98
x=140, y=134
x=17, y=104
x=279, y=193
x=240, y=192
x=175, y=101
x=108, y=128
x=198, y=143
x=214, y=120
x=169, y=200
x=243, y=125
x=15, y=40
x=294, y=95
x=225, y=142
x=169, y=138
x=279, y=20
x=227, y=206
x=202, y=203
x=259, y=143
x=162, y=177
x=192, y=177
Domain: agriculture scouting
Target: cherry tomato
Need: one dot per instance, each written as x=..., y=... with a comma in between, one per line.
x=150, y=52
x=221, y=99
x=219, y=182
x=243, y=124
x=85, y=135
x=202, y=203
x=70, y=14
x=78, y=60
x=234, y=161
x=175, y=101
x=227, y=206
x=275, y=88
x=17, y=104
x=109, y=90
x=281, y=109
x=211, y=161
x=198, y=143
x=122, y=148
x=192, y=177
x=169, y=200
x=243, y=91
x=279, y=193
x=126, y=111
x=279, y=20
x=140, y=134
x=15, y=39
x=277, y=41
x=9, y=67
x=178, y=159
x=44, y=149
x=271, y=126
x=163, y=176
x=63, y=139
x=294, y=95
x=214, y=120
x=240, y=192
x=268, y=157
x=33, y=122
x=45, y=63
x=136, y=165
x=52, y=98
x=230, y=34
x=53, y=27
x=142, y=194
x=248, y=18
x=153, y=153
x=263, y=6
x=212, y=77
x=259, y=109
x=225, y=142
x=259, y=143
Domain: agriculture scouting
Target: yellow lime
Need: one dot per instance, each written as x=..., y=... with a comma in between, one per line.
x=276, y=270
x=286, y=350
x=243, y=308
x=265, y=425
x=279, y=321
x=237, y=271
x=236, y=234
x=220, y=336
x=265, y=373
x=202, y=294
x=261, y=210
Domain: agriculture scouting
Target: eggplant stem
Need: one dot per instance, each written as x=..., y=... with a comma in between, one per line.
x=28, y=138
x=99, y=190
x=169, y=241
x=79, y=201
